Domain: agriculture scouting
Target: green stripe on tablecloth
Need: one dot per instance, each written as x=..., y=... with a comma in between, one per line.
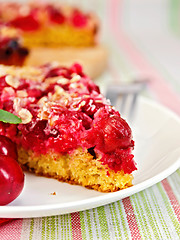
x=114, y=217
x=83, y=227
x=53, y=228
x=150, y=214
x=159, y=213
x=123, y=220
x=47, y=227
x=61, y=224
x=86, y=225
x=95, y=222
x=175, y=15
x=178, y=172
x=43, y=228
x=169, y=208
x=103, y=223
x=57, y=225
x=89, y=224
x=67, y=226
x=140, y=216
x=31, y=229
x=63, y=228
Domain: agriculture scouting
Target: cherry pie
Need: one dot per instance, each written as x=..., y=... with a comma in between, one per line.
x=69, y=131
x=54, y=32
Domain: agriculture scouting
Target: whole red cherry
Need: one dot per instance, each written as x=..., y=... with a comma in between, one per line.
x=11, y=179
x=7, y=147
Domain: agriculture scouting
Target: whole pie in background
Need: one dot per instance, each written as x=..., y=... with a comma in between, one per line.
x=53, y=32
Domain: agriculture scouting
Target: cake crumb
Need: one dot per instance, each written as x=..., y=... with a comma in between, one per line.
x=54, y=193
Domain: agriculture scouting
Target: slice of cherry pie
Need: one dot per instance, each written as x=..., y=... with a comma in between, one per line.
x=69, y=130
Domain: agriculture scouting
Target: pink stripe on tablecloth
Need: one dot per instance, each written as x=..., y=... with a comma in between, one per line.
x=76, y=226
x=11, y=230
x=131, y=219
x=173, y=200
x=162, y=89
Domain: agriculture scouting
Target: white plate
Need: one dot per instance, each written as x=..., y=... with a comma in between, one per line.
x=157, y=153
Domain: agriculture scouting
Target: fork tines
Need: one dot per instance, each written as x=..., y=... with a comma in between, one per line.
x=124, y=97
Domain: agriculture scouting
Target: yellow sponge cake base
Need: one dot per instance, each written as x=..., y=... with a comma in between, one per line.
x=77, y=168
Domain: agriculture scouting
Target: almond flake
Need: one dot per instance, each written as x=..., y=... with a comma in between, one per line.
x=58, y=90
x=53, y=120
x=42, y=100
x=25, y=115
x=21, y=93
x=75, y=78
x=44, y=112
x=62, y=80
x=59, y=93
x=12, y=81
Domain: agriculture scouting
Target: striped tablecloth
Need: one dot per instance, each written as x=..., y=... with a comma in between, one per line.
x=143, y=37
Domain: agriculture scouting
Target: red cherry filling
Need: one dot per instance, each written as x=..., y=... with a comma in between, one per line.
x=7, y=147
x=25, y=23
x=111, y=136
x=120, y=159
x=89, y=106
x=11, y=179
x=64, y=72
x=55, y=15
x=33, y=132
x=63, y=136
x=81, y=118
x=109, y=132
x=3, y=84
x=9, y=130
x=78, y=19
x=76, y=68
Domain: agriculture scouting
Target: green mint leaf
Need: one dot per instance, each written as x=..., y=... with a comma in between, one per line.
x=8, y=117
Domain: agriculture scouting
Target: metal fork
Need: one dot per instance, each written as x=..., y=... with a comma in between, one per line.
x=124, y=97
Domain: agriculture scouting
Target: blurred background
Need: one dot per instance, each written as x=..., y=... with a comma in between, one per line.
x=143, y=42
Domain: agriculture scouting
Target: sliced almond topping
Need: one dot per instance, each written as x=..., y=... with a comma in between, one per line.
x=17, y=104
x=44, y=111
x=62, y=80
x=75, y=78
x=21, y=93
x=53, y=120
x=59, y=93
x=8, y=91
x=12, y=81
x=51, y=80
x=42, y=100
x=75, y=85
x=25, y=115
x=59, y=90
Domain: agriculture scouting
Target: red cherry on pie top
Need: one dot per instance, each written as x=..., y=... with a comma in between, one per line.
x=109, y=132
x=78, y=19
x=55, y=15
x=7, y=147
x=11, y=179
x=26, y=23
